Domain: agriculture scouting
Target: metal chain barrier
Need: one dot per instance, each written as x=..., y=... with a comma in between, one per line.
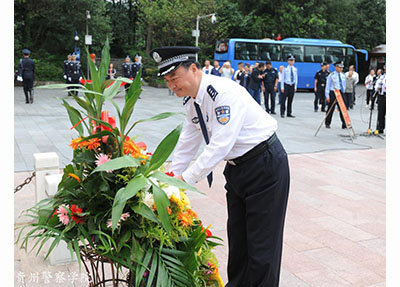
x=26, y=181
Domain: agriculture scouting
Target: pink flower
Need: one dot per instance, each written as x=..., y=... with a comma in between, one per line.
x=124, y=216
x=62, y=214
x=102, y=158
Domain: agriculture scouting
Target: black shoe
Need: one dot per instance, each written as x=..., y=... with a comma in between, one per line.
x=315, y=110
x=27, y=102
x=290, y=116
x=323, y=110
x=282, y=116
x=273, y=113
x=343, y=126
x=328, y=126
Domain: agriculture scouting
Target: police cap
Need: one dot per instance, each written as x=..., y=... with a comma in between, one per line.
x=170, y=58
x=127, y=57
x=324, y=63
x=268, y=63
x=26, y=52
x=339, y=64
x=291, y=57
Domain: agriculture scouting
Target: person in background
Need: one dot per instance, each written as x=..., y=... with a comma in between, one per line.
x=269, y=87
x=348, y=92
x=289, y=80
x=26, y=75
x=255, y=82
x=280, y=84
x=226, y=71
x=319, y=87
x=207, y=67
x=215, y=70
x=244, y=76
x=239, y=70
x=111, y=72
x=135, y=67
x=66, y=74
x=127, y=72
x=369, y=85
x=380, y=87
x=356, y=78
x=75, y=70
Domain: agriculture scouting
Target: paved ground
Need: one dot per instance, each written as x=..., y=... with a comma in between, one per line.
x=335, y=227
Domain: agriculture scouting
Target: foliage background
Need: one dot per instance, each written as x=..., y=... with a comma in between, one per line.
x=47, y=27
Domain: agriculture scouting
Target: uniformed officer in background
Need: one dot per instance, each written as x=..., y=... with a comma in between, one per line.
x=75, y=72
x=26, y=75
x=126, y=71
x=289, y=81
x=135, y=67
x=319, y=87
x=236, y=129
x=380, y=87
x=269, y=87
x=335, y=80
x=66, y=73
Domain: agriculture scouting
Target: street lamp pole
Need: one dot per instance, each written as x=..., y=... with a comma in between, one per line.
x=196, y=33
x=87, y=46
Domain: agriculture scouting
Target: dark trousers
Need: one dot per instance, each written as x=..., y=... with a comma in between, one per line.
x=380, y=125
x=257, y=195
x=369, y=96
x=255, y=94
x=347, y=98
x=332, y=98
x=319, y=99
x=269, y=95
x=288, y=94
x=28, y=88
x=75, y=81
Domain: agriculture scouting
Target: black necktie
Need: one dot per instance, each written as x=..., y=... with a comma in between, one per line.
x=205, y=135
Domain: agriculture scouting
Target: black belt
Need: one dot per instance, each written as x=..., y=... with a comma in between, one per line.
x=290, y=85
x=261, y=147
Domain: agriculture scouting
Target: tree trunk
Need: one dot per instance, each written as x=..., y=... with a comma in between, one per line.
x=149, y=37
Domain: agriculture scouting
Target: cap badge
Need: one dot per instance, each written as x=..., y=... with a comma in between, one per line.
x=157, y=57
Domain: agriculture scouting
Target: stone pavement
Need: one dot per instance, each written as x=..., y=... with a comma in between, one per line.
x=335, y=226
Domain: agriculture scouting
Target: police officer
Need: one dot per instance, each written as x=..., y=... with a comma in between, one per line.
x=126, y=71
x=319, y=87
x=26, y=74
x=75, y=72
x=289, y=81
x=380, y=87
x=270, y=86
x=335, y=80
x=135, y=67
x=66, y=73
x=236, y=129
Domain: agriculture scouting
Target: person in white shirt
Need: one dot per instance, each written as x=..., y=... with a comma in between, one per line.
x=356, y=79
x=380, y=87
x=239, y=70
x=369, y=85
x=280, y=84
x=226, y=70
x=207, y=67
x=236, y=129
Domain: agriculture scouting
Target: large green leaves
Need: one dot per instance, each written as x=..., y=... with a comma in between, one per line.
x=164, y=149
x=162, y=202
x=162, y=177
x=118, y=163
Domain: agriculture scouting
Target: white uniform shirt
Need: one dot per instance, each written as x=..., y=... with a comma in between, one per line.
x=369, y=80
x=380, y=84
x=235, y=123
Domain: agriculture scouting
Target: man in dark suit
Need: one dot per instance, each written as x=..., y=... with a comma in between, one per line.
x=255, y=82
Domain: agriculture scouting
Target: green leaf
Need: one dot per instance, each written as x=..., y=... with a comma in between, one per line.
x=112, y=90
x=162, y=202
x=118, y=163
x=105, y=61
x=162, y=177
x=164, y=149
x=74, y=117
x=125, y=194
x=145, y=211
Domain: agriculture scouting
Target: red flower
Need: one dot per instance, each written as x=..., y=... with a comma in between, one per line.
x=208, y=232
x=170, y=173
x=75, y=210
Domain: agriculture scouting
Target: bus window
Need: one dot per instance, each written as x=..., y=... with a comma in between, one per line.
x=221, y=46
x=350, y=58
x=334, y=54
x=269, y=52
x=245, y=51
x=314, y=54
x=296, y=51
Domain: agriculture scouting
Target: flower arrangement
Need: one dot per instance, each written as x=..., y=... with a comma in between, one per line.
x=116, y=198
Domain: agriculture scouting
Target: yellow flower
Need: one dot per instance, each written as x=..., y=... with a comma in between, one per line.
x=185, y=200
x=131, y=148
x=177, y=202
x=185, y=218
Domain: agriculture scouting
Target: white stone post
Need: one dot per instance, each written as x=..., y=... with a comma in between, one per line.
x=47, y=180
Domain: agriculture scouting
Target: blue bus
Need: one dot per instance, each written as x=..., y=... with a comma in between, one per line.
x=309, y=53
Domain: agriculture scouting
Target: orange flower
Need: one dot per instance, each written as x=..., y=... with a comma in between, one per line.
x=77, y=143
x=131, y=148
x=75, y=176
x=93, y=143
x=185, y=218
x=192, y=213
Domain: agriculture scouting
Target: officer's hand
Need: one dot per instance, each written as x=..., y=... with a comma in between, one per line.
x=315, y=89
x=19, y=79
x=275, y=89
x=282, y=91
x=69, y=79
x=180, y=177
x=263, y=89
x=65, y=77
x=328, y=100
x=80, y=78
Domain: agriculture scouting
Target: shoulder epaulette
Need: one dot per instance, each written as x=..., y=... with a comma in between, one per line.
x=212, y=92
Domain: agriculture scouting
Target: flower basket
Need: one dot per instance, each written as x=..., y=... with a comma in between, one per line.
x=116, y=207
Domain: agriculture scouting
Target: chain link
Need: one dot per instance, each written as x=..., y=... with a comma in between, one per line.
x=26, y=181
